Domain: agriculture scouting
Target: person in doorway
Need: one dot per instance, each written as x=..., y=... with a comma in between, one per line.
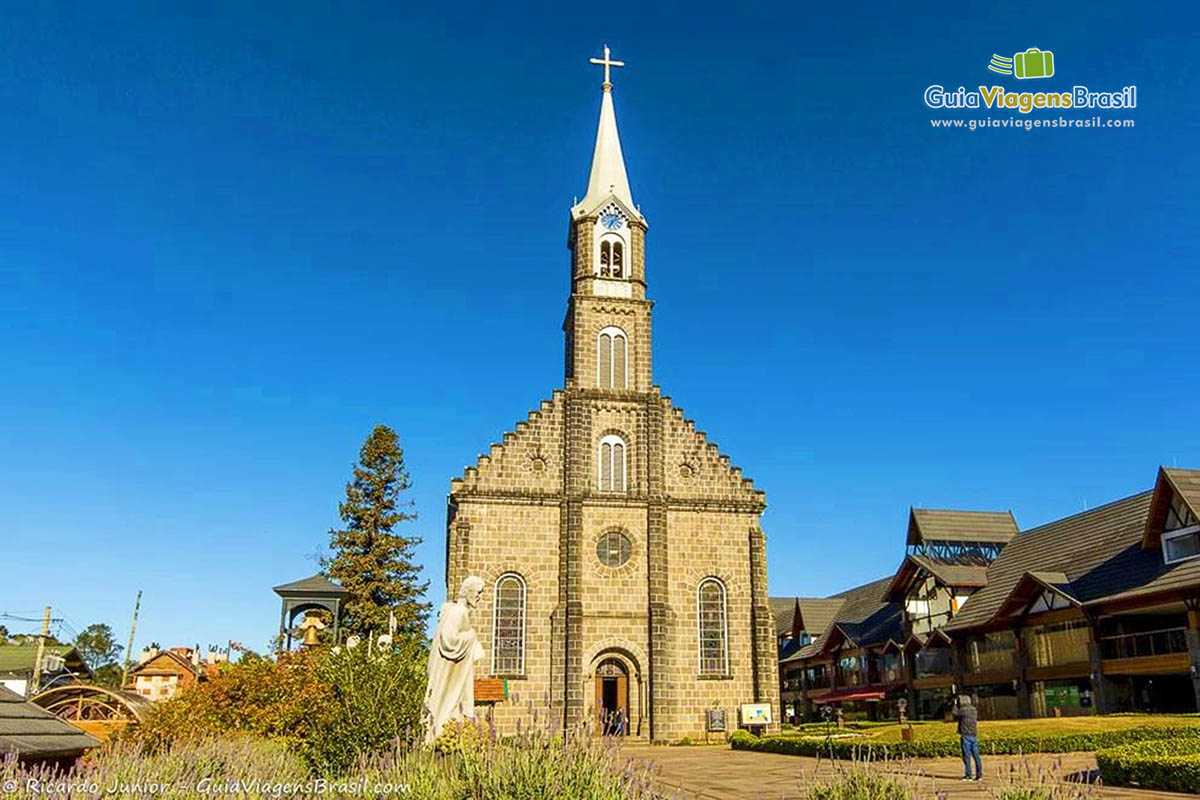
x=968, y=735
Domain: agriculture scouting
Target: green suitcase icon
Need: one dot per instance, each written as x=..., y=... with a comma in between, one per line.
x=1033, y=63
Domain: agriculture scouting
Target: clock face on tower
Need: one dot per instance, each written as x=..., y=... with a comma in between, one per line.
x=611, y=221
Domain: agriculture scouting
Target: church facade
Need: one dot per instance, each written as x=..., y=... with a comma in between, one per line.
x=622, y=552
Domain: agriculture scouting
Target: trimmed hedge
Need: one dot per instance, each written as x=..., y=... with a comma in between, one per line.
x=864, y=747
x=854, y=725
x=1172, y=765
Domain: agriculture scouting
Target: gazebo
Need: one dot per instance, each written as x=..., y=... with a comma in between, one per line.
x=314, y=592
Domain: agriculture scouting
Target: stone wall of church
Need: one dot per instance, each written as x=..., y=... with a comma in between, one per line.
x=703, y=544
x=527, y=461
x=696, y=470
x=523, y=539
x=588, y=316
x=615, y=603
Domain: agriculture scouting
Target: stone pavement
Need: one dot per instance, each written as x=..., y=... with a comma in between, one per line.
x=713, y=772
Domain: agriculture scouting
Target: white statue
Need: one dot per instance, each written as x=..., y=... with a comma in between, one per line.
x=452, y=655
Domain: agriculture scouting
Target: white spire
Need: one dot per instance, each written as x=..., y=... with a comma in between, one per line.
x=608, y=178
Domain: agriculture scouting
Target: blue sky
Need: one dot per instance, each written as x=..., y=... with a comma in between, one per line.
x=233, y=239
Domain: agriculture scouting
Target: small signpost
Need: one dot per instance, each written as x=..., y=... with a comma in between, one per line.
x=756, y=716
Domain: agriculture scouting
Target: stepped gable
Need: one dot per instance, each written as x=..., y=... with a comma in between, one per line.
x=696, y=467
x=527, y=459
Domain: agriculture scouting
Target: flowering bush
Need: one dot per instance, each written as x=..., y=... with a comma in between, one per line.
x=461, y=737
x=284, y=699
x=327, y=706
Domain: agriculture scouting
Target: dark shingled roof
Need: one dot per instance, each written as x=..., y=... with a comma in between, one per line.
x=784, y=611
x=314, y=584
x=1171, y=482
x=930, y=524
x=955, y=575
x=34, y=733
x=862, y=617
x=1098, y=552
x=817, y=612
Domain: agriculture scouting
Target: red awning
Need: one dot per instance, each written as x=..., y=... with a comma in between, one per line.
x=841, y=695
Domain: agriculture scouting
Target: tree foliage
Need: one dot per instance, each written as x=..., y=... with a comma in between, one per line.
x=369, y=558
x=99, y=650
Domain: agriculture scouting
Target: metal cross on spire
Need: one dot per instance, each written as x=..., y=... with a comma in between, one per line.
x=607, y=62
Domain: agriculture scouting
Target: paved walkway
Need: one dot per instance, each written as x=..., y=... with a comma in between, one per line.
x=718, y=773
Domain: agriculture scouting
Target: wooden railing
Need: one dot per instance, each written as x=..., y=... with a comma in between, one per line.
x=1146, y=643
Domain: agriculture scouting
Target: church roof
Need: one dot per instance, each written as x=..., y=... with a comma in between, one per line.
x=608, y=179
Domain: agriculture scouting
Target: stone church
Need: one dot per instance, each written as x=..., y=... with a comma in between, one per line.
x=622, y=552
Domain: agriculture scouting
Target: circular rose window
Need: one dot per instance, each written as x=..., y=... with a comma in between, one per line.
x=613, y=549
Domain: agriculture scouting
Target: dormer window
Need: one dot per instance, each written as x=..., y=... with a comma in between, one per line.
x=1181, y=545
x=1048, y=601
x=1181, y=533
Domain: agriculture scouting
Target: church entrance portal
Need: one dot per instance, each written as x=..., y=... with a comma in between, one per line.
x=612, y=698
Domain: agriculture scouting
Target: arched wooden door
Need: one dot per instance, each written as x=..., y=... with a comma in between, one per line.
x=612, y=698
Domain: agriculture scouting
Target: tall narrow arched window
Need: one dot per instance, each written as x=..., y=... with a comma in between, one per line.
x=605, y=259
x=611, y=477
x=508, y=646
x=713, y=630
x=612, y=359
x=618, y=260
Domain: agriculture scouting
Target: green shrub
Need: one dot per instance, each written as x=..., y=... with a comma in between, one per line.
x=328, y=707
x=284, y=700
x=862, y=784
x=378, y=694
x=1171, y=765
x=746, y=738
x=865, y=747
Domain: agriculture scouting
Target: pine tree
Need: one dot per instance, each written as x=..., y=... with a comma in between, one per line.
x=368, y=559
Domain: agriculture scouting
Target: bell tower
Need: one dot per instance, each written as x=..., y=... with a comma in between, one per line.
x=608, y=316
x=623, y=551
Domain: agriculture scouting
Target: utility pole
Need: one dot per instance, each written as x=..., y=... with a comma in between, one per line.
x=129, y=650
x=31, y=690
